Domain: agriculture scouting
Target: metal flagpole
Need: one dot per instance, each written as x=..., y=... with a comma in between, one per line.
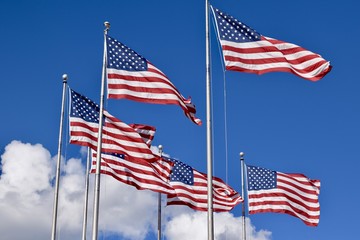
x=208, y=128
x=159, y=202
x=56, y=194
x=242, y=193
x=86, y=194
x=99, y=143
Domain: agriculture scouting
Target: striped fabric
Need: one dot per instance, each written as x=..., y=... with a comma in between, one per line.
x=140, y=174
x=133, y=77
x=191, y=190
x=294, y=194
x=245, y=50
x=117, y=137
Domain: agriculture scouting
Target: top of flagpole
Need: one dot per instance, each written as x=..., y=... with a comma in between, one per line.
x=64, y=77
x=107, y=26
x=242, y=155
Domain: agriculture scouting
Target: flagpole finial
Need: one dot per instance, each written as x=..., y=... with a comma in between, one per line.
x=107, y=26
x=242, y=154
x=65, y=77
x=160, y=150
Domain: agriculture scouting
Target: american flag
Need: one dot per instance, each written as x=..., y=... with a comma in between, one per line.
x=146, y=132
x=191, y=189
x=142, y=175
x=131, y=76
x=117, y=137
x=294, y=194
x=246, y=50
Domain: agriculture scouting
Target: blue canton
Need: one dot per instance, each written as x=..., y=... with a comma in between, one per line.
x=181, y=172
x=260, y=178
x=121, y=57
x=231, y=29
x=83, y=107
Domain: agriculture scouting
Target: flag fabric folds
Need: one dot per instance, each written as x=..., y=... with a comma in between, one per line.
x=117, y=137
x=246, y=50
x=191, y=189
x=146, y=132
x=140, y=174
x=293, y=194
x=182, y=184
x=131, y=76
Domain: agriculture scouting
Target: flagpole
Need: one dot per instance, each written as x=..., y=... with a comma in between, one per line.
x=208, y=128
x=99, y=143
x=86, y=194
x=159, y=202
x=57, y=177
x=242, y=194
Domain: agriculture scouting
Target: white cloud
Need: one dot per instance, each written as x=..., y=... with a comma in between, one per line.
x=126, y=210
x=25, y=192
x=193, y=225
x=27, y=195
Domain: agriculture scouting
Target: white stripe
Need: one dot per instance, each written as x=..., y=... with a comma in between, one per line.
x=142, y=74
x=287, y=185
x=139, y=83
x=269, y=55
x=143, y=185
x=107, y=137
x=136, y=173
x=261, y=43
x=282, y=198
x=277, y=65
x=284, y=207
x=118, y=146
x=198, y=204
x=247, y=45
x=146, y=95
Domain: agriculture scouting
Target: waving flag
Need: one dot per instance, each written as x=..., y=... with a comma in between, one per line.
x=117, y=136
x=133, y=77
x=191, y=189
x=140, y=174
x=294, y=194
x=246, y=50
x=146, y=132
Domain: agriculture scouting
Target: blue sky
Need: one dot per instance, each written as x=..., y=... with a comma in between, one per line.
x=279, y=120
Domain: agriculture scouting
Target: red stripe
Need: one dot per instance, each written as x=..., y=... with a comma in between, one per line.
x=269, y=50
x=148, y=79
x=276, y=202
x=76, y=135
x=278, y=69
x=144, y=100
x=152, y=68
x=130, y=173
x=223, y=195
x=115, y=86
x=262, y=61
x=284, y=211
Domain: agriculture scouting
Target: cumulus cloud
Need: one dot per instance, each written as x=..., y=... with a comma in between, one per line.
x=27, y=195
x=193, y=225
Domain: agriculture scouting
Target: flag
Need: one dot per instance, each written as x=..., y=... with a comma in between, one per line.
x=246, y=50
x=117, y=137
x=191, y=189
x=294, y=194
x=146, y=132
x=142, y=175
x=131, y=76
